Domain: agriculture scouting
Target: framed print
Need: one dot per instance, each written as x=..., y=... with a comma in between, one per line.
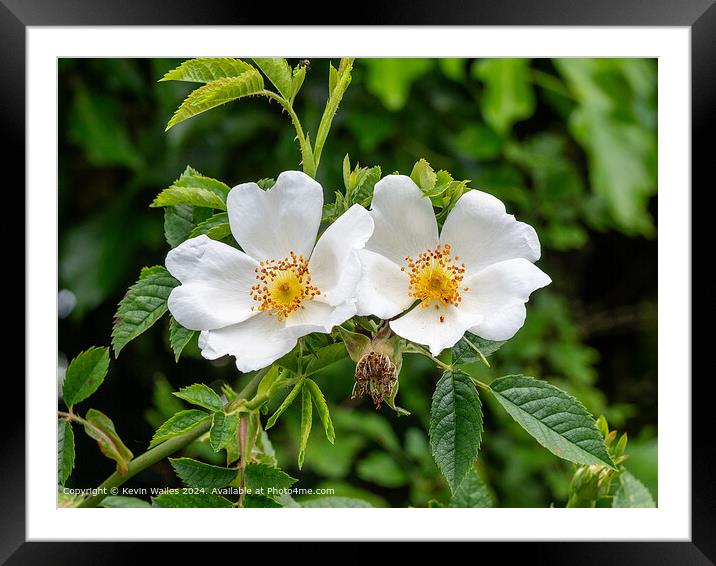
x=411, y=279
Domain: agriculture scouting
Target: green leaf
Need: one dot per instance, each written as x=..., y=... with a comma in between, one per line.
x=279, y=73
x=151, y=270
x=191, y=178
x=192, y=189
x=334, y=501
x=322, y=407
x=267, y=478
x=357, y=344
x=424, y=176
x=65, y=450
x=223, y=429
x=216, y=227
x=306, y=421
x=555, y=419
x=632, y=493
x=194, y=196
x=455, y=426
x=101, y=428
x=346, y=165
x=297, y=78
x=367, y=178
x=178, y=223
x=508, y=95
x=332, y=78
x=218, y=92
x=381, y=469
x=201, y=395
x=285, y=405
x=186, y=500
x=143, y=305
x=179, y=337
x=268, y=381
x=178, y=424
x=198, y=474
x=84, y=375
x=123, y=502
x=266, y=183
x=472, y=348
x=324, y=357
x=205, y=70
x=472, y=493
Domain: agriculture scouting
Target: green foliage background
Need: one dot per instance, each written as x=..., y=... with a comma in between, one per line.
x=569, y=145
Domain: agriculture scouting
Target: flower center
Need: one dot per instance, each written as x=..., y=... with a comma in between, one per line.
x=282, y=285
x=435, y=276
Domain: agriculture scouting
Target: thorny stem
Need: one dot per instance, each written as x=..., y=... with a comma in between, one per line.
x=309, y=164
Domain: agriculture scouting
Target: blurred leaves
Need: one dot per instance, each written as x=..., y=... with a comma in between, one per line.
x=508, y=95
x=615, y=122
x=96, y=124
x=390, y=79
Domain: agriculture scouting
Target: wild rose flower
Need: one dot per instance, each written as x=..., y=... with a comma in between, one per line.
x=476, y=275
x=255, y=304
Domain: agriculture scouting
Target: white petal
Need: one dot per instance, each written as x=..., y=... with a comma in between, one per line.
x=271, y=224
x=334, y=267
x=404, y=219
x=499, y=294
x=216, y=284
x=423, y=326
x=383, y=289
x=480, y=231
x=317, y=316
x=256, y=342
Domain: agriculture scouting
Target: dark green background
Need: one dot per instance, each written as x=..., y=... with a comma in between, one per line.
x=568, y=145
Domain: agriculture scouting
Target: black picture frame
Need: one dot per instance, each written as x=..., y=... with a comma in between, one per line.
x=698, y=15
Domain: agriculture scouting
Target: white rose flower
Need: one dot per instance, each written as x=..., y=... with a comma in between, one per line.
x=476, y=275
x=255, y=304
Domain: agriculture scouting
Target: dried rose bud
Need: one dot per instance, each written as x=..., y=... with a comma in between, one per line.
x=376, y=375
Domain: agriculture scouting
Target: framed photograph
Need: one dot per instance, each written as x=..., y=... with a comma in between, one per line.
x=419, y=278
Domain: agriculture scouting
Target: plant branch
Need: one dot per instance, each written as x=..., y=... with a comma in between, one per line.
x=417, y=349
x=149, y=458
x=309, y=164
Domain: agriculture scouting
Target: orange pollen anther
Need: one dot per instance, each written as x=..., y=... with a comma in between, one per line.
x=435, y=276
x=283, y=285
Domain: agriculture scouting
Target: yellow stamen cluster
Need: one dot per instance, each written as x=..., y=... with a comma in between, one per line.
x=282, y=285
x=435, y=275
